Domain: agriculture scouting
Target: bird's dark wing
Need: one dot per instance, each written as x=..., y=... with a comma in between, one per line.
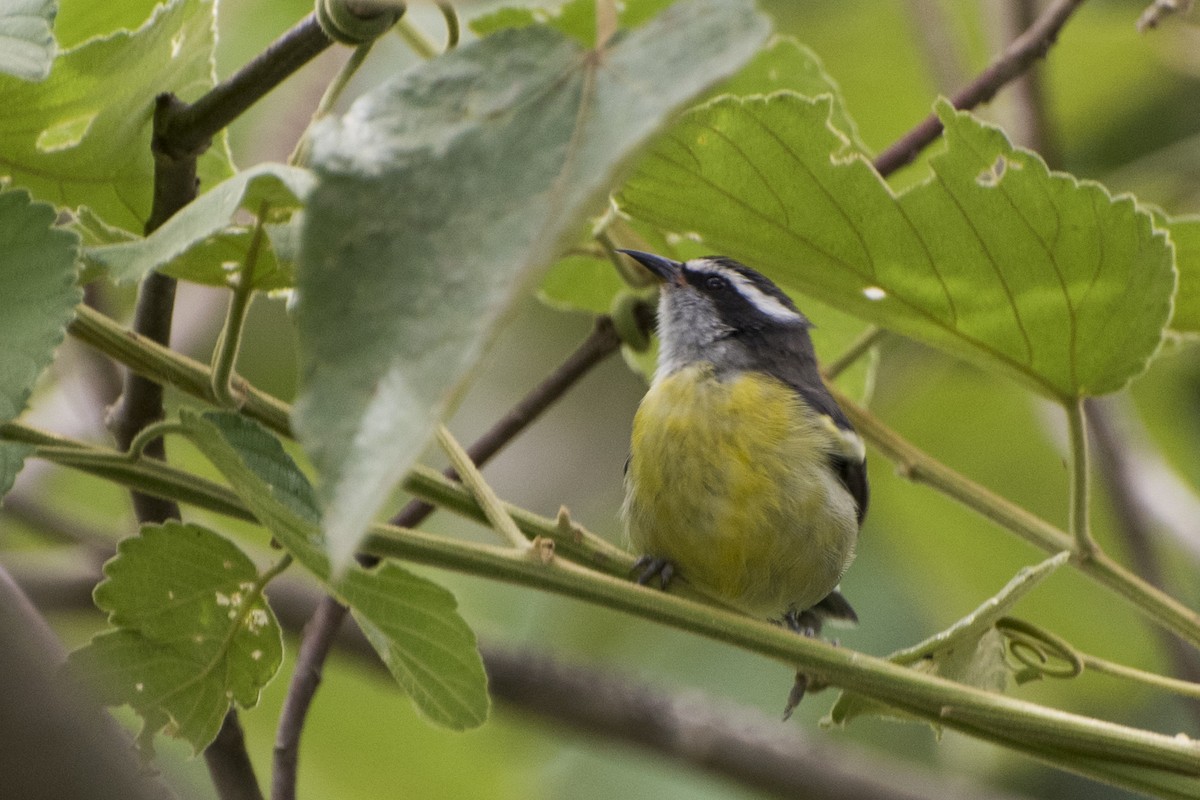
x=789, y=356
x=853, y=474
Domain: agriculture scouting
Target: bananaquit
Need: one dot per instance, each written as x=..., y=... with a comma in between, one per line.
x=744, y=474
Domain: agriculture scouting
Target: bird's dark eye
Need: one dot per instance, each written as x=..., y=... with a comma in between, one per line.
x=716, y=283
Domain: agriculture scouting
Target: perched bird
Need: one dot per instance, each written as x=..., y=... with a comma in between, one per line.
x=744, y=474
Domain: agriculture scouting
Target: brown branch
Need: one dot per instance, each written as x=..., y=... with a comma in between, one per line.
x=1025, y=120
x=731, y=742
x=1136, y=527
x=736, y=743
x=191, y=128
x=1027, y=48
x=229, y=763
x=57, y=743
x=319, y=632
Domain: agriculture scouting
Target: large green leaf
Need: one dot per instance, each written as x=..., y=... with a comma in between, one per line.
x=37, y=273
x=576, y=18
x=994, y=258
x=194, y=632
x=82, y=136
x=590, y=283
x=1185, y=234
x=413, y=623
x=200, y=240
x=441, y=197
x=27, y=45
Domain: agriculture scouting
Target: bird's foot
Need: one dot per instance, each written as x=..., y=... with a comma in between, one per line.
x=649, y=567
x=808, y=624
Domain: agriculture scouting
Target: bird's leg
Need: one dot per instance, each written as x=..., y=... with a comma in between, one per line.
x=806, y=623
x=648, y=567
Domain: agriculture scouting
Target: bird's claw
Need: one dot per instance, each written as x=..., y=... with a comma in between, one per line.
x=648, y=567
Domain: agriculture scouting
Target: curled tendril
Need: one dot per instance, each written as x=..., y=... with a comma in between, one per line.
x=356, y=24
x=1039, y=653
x=453, y=29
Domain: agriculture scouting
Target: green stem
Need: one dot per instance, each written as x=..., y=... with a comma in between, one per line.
x=417, y=40
x=1065, y=739
x=453, y=27
x=166, y=366
x=857, y=349
x=991, y=716
x=498, y=518
x=919, y=467
x=149, y=476
x=148, y=434
x=1079, y=520
x=1174, y=685
x=163, y=365
x=230, y=341
x=333, y=91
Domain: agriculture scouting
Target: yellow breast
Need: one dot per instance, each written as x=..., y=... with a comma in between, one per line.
x=728, y=480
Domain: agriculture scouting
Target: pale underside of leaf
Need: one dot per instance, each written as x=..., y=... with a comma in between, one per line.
x=205, y=230
x=37, y=270
x=27, y=45
x=441, y=198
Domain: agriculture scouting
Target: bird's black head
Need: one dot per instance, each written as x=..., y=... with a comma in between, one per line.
x=741, y=298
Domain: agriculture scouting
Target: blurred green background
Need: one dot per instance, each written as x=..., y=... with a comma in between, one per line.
x=1121, y=109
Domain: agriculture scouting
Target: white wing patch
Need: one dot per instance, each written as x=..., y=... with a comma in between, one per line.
x=757, y=297
x=849, y=444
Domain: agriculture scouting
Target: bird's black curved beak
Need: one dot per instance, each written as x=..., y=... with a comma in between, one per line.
x=664, y=269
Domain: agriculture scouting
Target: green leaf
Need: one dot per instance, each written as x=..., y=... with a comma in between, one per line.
x=442, y=197
x=433, y=214
x=37, y=270
x=970, y=651
x=413, y=623
x=194, y=632
x=575, y=18
x=581, y=283
x=27, y=45
x=1185, y=235
x=83, y=134
x=12, y=458
x=200, y=241
x=994, y=259
x=786, y=65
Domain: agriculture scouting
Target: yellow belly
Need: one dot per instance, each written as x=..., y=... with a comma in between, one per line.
x=728, y=481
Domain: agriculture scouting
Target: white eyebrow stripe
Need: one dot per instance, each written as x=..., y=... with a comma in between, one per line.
x=757, y=297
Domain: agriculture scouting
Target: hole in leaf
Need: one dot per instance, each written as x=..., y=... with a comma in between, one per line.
x=994, y=174
x=64, y=134
x=874, y=293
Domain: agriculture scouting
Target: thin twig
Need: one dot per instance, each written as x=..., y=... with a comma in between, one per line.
x=1026, y=121
x=229, y=763
x=192, y=128
x=1027, y=48
x=600, y=344
x=319, y=634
